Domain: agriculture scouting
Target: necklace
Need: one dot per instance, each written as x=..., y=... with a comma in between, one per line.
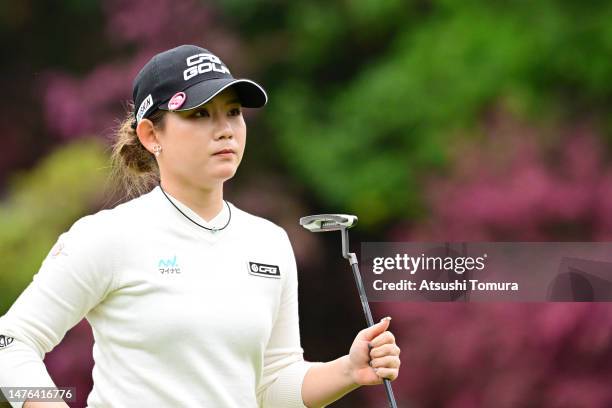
x=213, y=229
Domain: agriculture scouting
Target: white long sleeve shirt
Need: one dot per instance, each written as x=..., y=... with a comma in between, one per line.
x=181, y=316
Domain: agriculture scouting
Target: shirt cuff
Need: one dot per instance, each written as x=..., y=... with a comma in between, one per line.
x=286, y=391
x=21, y=367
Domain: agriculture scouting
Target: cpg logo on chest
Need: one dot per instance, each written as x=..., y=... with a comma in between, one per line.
x=264, y=270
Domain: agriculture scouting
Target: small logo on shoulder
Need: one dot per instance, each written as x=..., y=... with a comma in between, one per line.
x=5, y=340
x=57, y=250
x=265, y=270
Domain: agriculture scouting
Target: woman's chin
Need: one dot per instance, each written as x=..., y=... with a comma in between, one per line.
x=225, y=173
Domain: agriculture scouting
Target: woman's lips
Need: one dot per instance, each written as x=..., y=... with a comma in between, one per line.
x=224, y=152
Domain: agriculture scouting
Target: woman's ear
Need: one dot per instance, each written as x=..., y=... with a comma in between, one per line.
x=147, y=135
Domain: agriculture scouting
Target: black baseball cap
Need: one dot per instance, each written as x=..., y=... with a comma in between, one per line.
x=186, y=77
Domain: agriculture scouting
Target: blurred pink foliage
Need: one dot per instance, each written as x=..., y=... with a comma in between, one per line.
x=511, y=187
x=80, y=106
x=464, y=355
x=70, y=364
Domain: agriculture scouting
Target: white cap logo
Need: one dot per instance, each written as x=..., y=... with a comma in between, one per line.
x=202, y=63
x=144, y=107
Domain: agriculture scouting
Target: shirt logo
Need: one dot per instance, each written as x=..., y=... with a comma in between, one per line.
x=168, y=266
x=5, y=340
x=57, y=250
x=265, y=270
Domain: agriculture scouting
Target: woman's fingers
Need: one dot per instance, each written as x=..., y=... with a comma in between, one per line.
x=383, y=338
x=390, y=349
x=386, y=362
x=389, y=373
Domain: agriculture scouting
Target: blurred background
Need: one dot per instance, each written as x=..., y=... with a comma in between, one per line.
x=431, y=120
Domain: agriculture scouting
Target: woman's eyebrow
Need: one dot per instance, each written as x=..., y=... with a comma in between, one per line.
x=235, y=100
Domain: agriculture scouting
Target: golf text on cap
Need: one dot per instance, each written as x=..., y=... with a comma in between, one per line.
x=144, y=107
x=268, y=271
x=202, y=63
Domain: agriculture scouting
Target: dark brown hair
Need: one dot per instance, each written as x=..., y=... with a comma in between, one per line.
x=133, y=167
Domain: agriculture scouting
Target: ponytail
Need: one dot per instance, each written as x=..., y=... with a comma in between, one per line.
x=132, y=166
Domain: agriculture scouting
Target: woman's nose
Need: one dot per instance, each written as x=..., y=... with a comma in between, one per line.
x=223, y=129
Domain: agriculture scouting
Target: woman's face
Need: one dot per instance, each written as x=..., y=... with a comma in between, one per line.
x=192, y=139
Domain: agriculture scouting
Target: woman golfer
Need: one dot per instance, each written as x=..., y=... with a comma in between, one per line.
x=192, y=301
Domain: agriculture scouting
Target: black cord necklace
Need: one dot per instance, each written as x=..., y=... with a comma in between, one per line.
x=199, y=225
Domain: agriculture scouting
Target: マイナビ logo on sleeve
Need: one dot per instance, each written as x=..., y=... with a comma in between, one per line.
x=5, y=340
x=265, y=270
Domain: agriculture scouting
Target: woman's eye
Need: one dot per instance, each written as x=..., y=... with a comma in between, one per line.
x=203, y=113
x=200, y=113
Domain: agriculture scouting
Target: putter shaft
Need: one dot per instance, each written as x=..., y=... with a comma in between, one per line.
x=368, y=316
x=352, y=259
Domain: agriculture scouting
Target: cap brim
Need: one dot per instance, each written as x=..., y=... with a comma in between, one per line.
x=251, y=95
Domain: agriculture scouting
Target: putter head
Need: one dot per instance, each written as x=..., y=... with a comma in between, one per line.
x=328, y=222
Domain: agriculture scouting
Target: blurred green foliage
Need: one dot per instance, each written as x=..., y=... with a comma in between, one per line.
x=41, y=204
x=371, y=92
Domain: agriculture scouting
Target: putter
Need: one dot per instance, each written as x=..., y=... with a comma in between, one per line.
x=342, y=222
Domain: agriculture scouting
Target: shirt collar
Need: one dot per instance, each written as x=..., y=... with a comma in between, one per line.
x=218, y=221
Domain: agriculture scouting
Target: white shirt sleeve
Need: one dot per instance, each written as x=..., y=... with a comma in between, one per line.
x=72, y=279
x=284, y=365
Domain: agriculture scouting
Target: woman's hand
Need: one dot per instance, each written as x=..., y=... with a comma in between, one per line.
x=374, y=355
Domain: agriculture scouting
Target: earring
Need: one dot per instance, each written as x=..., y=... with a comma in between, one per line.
x=157, y=150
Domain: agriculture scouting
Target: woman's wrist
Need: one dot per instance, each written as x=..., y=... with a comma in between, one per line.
x=327, y=382
x=347, y=371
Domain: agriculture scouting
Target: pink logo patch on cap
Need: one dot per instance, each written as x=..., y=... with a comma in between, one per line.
x=177, y=101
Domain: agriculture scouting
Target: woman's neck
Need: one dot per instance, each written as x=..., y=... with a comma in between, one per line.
x=207, y=203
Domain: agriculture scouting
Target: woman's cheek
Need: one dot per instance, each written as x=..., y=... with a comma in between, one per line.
x=239, y=156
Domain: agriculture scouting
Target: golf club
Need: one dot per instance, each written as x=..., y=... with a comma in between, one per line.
x=342, y=222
